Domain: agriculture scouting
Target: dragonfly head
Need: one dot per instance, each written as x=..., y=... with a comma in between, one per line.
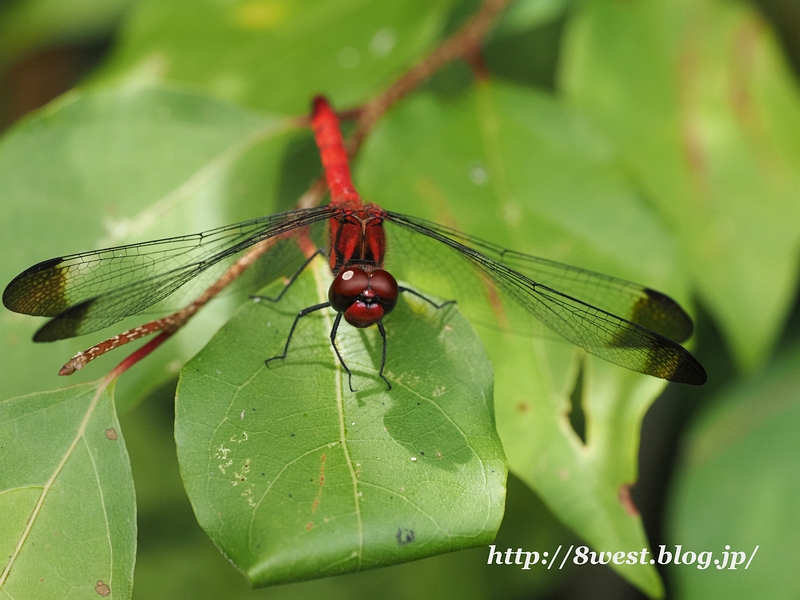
x=363, y=297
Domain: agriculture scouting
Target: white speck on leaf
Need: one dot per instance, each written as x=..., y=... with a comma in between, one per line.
x=479, y=175
x=383, y=42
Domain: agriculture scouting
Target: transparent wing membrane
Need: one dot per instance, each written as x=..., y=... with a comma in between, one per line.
x=574, y=303
x=619, y=321
x=92, y=290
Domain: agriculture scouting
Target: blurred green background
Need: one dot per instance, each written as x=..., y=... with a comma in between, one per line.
x=717, y=464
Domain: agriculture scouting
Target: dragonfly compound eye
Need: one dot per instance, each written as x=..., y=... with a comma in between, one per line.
x=347, y=287
x=385, y=287
x=364, y=298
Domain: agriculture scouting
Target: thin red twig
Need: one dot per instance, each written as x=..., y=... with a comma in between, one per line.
x=139, y=354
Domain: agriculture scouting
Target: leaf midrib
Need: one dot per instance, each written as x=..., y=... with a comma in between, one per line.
x=319, y=267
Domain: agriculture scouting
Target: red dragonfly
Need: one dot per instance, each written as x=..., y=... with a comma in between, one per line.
x=622, y=322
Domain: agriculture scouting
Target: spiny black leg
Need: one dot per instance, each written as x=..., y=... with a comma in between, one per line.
x=334, y=329
x=300, y=315
x=428, y=300
x=383, y=357
x=291, y=279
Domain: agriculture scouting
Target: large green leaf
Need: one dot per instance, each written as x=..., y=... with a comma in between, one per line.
x=102, y=169
x=707, y=115
x=737, y=491
x=67, y=507
x=516, y=168
x=294, y=477
x=276, y=54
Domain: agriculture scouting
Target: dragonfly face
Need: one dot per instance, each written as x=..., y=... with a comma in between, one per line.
x=363, y=297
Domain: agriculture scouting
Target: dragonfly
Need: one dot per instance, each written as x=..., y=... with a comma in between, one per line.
x=622, y=322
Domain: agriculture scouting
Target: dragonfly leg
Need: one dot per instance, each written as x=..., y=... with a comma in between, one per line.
x=300, y=315
x=428, y=300
x=334, y=330
x=292, y=279
x=383, y=356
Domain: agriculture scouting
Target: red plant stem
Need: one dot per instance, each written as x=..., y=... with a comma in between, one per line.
x=139, y=354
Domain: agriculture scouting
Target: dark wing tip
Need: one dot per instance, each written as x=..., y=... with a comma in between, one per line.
x=660, y=313
x=673, y=362
x=689, y=371
x=665, y=358
x=26, y=290
x=68, y=324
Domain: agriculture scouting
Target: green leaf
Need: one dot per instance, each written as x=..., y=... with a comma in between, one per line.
x=101, y=169
x=295, y=477
x=707, y=116
x=514, y=167
x=276, y=54
x=67, y=507
x=737, y=489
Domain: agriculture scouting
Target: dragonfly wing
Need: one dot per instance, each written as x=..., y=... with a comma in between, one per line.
x=88, y=291
x=638, y=304
x=635, y=303
x=594, y=328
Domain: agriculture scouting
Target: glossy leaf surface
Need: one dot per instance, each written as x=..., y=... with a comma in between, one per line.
x=67, y=506
x=295, y=477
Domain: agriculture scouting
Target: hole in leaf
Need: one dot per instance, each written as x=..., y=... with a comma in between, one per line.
x=577, y=418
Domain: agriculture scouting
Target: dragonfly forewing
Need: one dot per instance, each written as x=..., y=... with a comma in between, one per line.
x=578, y=310
x=638, y=304
x=92, y=290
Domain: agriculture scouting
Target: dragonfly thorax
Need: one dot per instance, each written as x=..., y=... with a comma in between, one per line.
x=363, y=297
x=357, y=236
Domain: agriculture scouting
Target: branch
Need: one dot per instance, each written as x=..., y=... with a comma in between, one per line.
x=465, y=43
